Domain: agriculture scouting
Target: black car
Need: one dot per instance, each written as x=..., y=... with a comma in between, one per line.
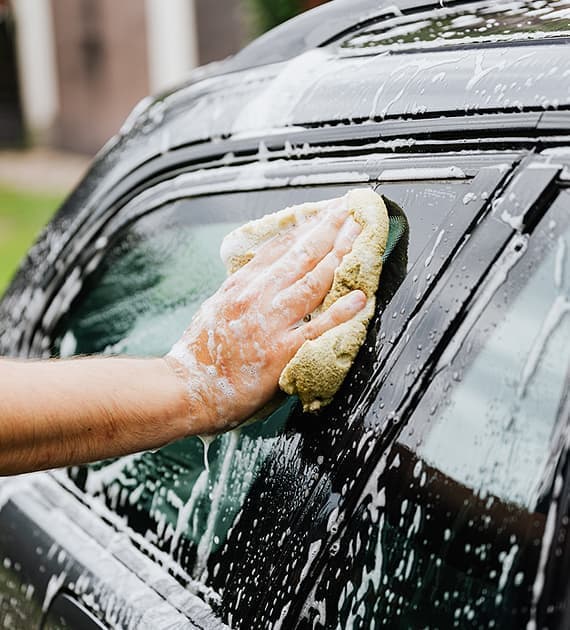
x=434, y=491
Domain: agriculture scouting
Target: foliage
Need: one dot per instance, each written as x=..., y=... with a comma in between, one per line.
x=270, y=13
x=22, y=215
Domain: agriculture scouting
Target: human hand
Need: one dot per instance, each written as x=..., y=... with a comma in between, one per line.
x=232, y=354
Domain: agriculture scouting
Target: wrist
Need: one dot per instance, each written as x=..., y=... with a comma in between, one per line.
x=190, y=399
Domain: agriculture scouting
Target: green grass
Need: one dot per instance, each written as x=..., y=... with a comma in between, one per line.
x=22, y=216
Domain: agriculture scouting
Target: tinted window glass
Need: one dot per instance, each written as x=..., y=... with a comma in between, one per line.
x=452, y=522
x=156, y=272
x=20, y=604
x=500, y=415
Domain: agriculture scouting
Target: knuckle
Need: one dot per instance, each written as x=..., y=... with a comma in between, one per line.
x=237, y=307
x=278, y=303
x=309, y=255
x=283, y=276
x=231, y=283
x=279, y=245
x=343, y=247
x=310, y=331
x=333, y=260
x=311, y=285
x=336, y=315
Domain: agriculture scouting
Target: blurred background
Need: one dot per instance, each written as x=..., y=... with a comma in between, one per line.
x=70, y=72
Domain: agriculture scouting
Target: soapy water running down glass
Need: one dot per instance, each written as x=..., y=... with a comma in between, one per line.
x=225, y=367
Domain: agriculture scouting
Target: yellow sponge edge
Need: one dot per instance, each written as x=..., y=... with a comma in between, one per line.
x=319, y=367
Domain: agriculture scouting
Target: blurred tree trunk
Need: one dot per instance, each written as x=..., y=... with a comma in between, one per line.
x=311, y=4
x=11, y=122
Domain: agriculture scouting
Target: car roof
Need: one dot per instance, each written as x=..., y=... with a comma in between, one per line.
x=354, y=62
x=334, y=19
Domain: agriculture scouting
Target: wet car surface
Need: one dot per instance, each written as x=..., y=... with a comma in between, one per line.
x=433, y=491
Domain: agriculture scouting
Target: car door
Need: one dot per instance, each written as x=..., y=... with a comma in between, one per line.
x=450, y=508
x=133, y=286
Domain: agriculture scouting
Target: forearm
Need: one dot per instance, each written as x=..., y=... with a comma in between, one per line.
x=56, y=413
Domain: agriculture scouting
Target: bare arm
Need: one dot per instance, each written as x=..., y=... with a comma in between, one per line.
x=55, y=413
x=225, y=367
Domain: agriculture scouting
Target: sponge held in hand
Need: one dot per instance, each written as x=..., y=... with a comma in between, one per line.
x=317, y=370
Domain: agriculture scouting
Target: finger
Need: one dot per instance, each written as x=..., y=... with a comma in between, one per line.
x=269, y=251
x=307, y=294
x=307, y=252
x=280, y=244
x=346, y=236
x=255, y=271
x=341, y=311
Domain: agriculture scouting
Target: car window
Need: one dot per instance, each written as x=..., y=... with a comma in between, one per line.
x=161, y=269
x=501, y=414
x=154, y=274
x=451, y=527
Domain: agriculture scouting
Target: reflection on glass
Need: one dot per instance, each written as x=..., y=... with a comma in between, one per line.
x=151, y=285
x=142, y=298
x=501, y=414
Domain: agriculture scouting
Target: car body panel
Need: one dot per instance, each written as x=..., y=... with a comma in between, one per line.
x=74, y=551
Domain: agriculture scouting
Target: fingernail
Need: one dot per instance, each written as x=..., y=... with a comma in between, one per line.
x=358, y=299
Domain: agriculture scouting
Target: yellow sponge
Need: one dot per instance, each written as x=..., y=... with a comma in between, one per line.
x=319, y=367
